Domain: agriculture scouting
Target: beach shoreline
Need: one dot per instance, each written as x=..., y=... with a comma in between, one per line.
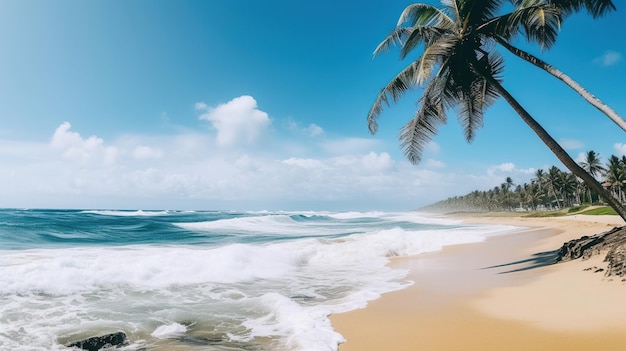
x=499, y=294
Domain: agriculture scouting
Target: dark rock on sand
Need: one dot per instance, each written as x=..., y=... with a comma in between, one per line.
x=97, y=343
x=612, y=242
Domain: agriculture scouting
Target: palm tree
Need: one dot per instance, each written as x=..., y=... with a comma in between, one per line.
x=569, y=188
x=547, y=36
x=457, y=68
x=592, y=163
x=534, y=194
x=593, y=166
x=615, y=177
x=554, y=183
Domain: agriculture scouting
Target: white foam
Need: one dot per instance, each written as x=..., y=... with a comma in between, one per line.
x=46, y=293
x=169, y=331
x=302, y=328
x=64, y=271
x=268, y=224
x=138, y=213
x=356, y=215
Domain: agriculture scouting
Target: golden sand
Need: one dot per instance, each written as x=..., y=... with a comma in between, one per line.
x=483, y=297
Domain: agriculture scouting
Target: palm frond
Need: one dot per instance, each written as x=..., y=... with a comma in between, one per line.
x=475, y=93
x=541, y=24
x=596, y=8
x=396, y=38
x=414, y=74
x=538, y=21
x=479, y=11
x=421, y=35
x=424, y=15
x=419, y=131
x=509, y=25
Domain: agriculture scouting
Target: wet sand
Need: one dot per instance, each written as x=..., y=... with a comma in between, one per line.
x=498, y=295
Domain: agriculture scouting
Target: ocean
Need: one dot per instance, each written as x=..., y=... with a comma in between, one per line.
x=202, y=280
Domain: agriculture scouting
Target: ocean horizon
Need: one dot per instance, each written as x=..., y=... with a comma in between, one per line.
x=203, y=280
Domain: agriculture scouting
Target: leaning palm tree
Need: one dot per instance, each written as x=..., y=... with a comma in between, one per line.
x=457, y=69
x=509, y=25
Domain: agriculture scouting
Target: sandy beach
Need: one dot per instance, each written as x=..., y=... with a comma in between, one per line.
x=499, y=295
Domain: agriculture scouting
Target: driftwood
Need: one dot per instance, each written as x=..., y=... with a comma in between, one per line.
x=612, y=242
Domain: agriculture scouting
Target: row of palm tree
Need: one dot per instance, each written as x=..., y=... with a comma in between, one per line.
x=550, y=189
x=459, y=68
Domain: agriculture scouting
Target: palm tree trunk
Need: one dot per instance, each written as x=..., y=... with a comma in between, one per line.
x=558, y=150
x=567, y=80
x=556, y=198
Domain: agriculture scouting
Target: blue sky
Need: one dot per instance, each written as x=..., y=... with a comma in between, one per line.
x=255, y=105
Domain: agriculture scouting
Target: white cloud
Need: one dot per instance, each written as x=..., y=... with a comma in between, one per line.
x=145, y=152
x=201, y=106
x=434, y=164
x=186, y=172
x=306, y=163
x=314, y=130
x=433, y=147
x=609, y=58
x=75, y=148
x=620, y=149
x=571, y=144
x=374, y=162
x=504, y=168
x=237, y=122
x=350, y=146
x=508, y=169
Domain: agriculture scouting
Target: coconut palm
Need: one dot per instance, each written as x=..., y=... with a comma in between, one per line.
x=534, y=194
x=457, y=69
x=593, y=165
x=554, y=183
x=545, y=37
x=615, y=177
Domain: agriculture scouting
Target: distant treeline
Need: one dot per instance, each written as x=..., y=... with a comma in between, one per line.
x=551, y=189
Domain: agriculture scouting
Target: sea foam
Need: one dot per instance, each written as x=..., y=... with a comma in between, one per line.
x=263, y=276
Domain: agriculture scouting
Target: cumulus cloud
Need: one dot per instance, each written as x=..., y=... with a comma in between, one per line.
x=237, y=122
x=75, y=148
x=504, y=168
x=374, y=162
x=314, y=130
x=348, y=146
x=306, y=163
x=186, y=172
x=620, y=149
x=571, y=144
x=145, y=152
x=609, y=58
x=433, y=147
x=508, y=168
x=434, y=164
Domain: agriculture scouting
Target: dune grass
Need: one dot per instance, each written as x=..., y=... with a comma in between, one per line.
x=598, y=211
x=584, y=210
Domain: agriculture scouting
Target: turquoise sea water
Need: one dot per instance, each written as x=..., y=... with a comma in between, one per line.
x=202, y=280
